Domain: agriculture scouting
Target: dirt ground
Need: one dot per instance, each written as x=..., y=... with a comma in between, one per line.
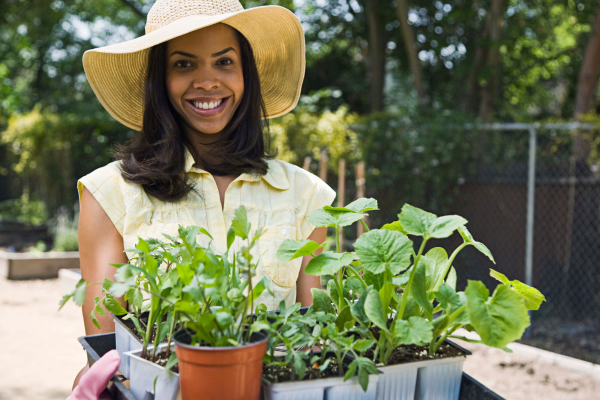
x=41, y=354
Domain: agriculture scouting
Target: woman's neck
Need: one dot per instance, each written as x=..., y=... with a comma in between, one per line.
x=201, y=147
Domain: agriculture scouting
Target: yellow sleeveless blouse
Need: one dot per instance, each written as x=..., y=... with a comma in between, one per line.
x=277, y=202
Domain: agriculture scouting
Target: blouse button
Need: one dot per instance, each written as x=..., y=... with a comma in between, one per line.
x=284, y=232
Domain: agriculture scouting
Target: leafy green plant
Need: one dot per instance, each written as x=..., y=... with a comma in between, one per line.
x=410, y=297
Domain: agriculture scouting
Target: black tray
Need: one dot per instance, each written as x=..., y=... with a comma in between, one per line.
x=98, y=345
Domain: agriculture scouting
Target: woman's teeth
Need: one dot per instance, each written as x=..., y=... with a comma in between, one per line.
x=208, y=106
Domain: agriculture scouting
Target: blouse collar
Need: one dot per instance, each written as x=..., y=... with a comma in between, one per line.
x=275, y=175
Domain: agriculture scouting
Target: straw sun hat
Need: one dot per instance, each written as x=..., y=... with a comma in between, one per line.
x=116, y=73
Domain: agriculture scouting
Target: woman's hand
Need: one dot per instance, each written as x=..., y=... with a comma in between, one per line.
x=92, y=385
x=306, y=282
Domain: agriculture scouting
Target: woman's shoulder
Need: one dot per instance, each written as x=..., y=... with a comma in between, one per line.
x=297, y=177
x=104, y=178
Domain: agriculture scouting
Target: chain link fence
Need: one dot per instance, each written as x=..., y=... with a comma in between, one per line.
x=534, y=205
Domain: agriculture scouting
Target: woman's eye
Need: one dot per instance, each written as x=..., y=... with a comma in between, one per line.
x=225, y=61
x=182, y=63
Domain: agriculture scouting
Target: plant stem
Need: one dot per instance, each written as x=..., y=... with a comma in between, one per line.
x=450, y=261
x=364, y=225
x=337, y=239
x=171, y=333
x=400, y=312
x=434, y=348
x=358, y=276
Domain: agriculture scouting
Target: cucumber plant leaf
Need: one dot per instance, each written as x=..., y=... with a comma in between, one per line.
x=468, y=238
x=416, y=331
x=291, y=249
x=321, y=301
x=328, y=263
x=380, y=250
x=357, y=206
x=442, y=227
x=416, y=221
x=533, y=298
x=395, y=226
x=419, y=290
x=331, y=217
x=358, y=308
x=374, y=310
x=499, y=319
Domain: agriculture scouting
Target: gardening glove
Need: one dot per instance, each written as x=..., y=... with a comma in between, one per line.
x=92, y=385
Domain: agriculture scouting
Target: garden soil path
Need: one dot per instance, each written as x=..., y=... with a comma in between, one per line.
x=41, y=354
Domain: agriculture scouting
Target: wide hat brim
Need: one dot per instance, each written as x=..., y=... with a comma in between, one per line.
x=117, y=73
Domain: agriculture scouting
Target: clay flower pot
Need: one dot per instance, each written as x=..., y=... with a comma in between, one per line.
x=216, y=373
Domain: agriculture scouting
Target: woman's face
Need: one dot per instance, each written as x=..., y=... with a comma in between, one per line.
x=204, y=77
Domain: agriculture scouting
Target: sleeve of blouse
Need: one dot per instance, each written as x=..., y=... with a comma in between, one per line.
x=320, y=195
x=105, y=185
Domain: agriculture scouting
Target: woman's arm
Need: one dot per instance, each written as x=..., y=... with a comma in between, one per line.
x=100, y=245
x=306, y=282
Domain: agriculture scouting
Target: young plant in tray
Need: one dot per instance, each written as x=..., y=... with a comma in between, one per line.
x=396, y=296
x=302, y=334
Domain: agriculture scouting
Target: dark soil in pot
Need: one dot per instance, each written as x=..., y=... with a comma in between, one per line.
x=161, y=359
x=411, y=352
x=144, y=320
x=283, y=373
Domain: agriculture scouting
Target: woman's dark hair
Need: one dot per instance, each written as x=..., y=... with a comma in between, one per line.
x=155, y=158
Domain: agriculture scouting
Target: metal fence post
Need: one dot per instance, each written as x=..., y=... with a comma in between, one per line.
x=530, y=212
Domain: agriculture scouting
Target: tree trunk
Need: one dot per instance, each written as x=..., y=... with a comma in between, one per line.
x=587, y=86
x=471, y=85
x=376, y=62
x=491, y=90
x=408, y=36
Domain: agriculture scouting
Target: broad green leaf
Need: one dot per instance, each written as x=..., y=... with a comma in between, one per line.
x=380, y=250
x=416, y=331
x=171, y=362
x=500, y=319
x=95, y=320
x=447, y=297
x=468, y=238
x=375, y=280
x=79, y=293
x=357, y=206
x=113, y=305
x=352, y=284
x=442, y=227
x=185, y=272
x=344, y=316
x=437, y=262
x=452, y=278
x=533, y=297
x=374, y=310
x=351, y=370
x=143, y=246
x=358, y=308
x=416, y=221
x=321, y=301
x=259, y=288
x=385, y=294
x=395, y=226
x=240, y=224
x=291, y=249
x=419, y=290
x=412, y=309
x=328, y=263
x=362, y=345
x=230, y=237
x=363, y=205
x=499, y=276
x=330, y=217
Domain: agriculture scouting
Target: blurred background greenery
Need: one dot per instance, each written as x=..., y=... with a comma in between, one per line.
x=385, y=81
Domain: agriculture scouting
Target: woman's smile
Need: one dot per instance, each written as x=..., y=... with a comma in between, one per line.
x=208, y=107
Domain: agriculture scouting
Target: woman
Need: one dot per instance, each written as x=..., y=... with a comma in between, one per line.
x=196, y=87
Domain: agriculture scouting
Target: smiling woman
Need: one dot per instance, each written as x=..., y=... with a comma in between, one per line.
x=199, y=88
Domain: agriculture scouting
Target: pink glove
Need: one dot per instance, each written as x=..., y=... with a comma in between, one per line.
x=92, y=385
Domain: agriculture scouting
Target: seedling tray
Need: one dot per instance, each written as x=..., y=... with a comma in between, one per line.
x=98, y=345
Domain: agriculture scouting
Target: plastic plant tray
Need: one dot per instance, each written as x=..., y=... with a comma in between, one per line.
x=98, y=345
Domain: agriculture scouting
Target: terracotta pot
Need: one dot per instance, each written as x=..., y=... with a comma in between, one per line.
x=217, y=373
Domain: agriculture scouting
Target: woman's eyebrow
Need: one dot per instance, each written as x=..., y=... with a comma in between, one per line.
x=220, y=53
x=217, y=54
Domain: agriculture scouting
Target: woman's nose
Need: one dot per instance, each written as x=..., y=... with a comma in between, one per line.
x=206, y=79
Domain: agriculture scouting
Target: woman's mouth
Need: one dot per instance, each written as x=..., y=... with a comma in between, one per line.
x=208, y=109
